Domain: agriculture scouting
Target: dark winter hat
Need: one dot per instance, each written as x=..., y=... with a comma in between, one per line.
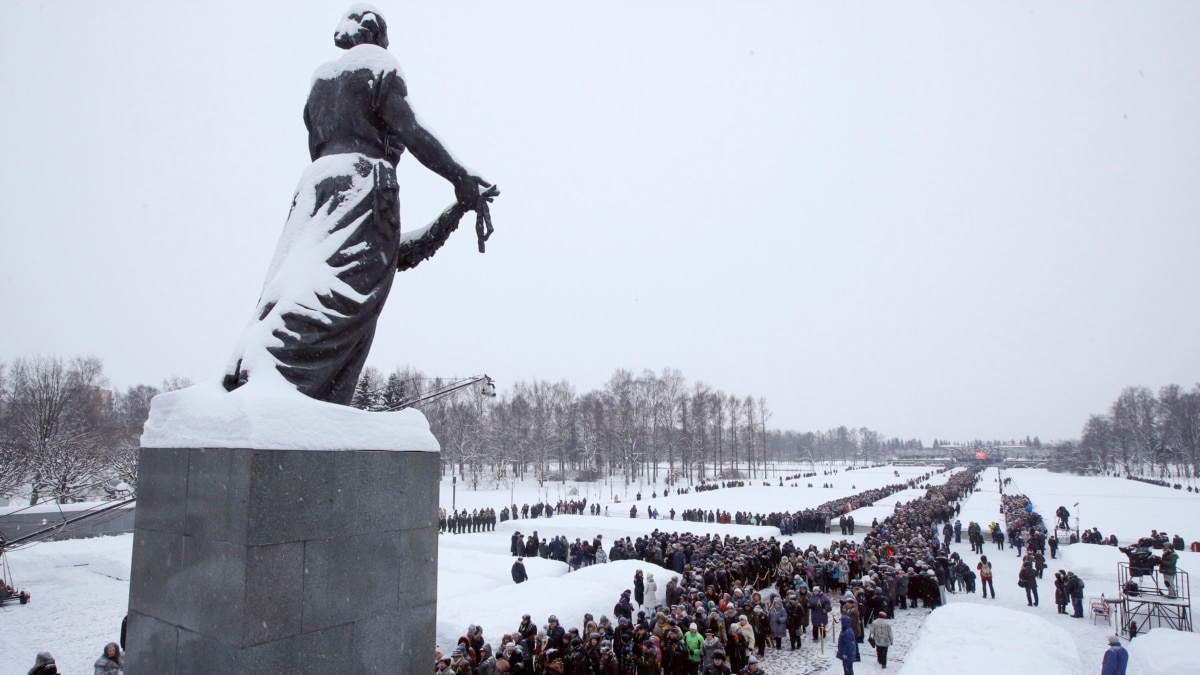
x=45, y=657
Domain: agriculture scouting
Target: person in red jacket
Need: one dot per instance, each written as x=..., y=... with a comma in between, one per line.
x=985, y=576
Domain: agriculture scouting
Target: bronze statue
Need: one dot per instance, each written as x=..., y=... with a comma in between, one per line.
x=341, y=246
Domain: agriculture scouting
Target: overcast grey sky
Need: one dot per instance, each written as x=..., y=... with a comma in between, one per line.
x=952, y=220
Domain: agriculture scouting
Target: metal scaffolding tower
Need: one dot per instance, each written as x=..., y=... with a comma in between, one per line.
x=1144, y=602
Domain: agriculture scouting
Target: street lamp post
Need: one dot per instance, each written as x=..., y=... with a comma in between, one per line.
x=454, y=494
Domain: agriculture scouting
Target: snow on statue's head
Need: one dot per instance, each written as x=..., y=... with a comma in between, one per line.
x=362, y=24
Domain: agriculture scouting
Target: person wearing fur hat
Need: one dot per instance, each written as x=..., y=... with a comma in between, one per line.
x=1116, y=659
x=881, y=637
x=718, y=666
x=44, y=664
x=850, y=609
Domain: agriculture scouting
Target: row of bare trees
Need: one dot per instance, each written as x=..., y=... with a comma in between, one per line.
x=1141, y=435
x=64, y=436
x=631, y=429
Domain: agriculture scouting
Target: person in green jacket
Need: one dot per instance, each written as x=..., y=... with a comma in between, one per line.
x=695, y=646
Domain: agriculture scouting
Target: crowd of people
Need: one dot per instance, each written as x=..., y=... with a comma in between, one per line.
x=485, y=519
x=733, y=599
x=1162, y=483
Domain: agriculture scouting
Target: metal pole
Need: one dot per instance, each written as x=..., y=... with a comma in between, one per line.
x=454, y=493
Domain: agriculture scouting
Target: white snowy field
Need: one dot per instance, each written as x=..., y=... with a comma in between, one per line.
x=80, y=588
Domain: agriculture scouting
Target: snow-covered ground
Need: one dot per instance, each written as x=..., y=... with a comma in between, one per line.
x=80, y=588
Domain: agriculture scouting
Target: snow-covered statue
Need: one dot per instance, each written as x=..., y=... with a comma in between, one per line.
x=342, y=246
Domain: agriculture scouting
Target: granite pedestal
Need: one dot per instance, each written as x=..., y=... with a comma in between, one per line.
x=283, y=561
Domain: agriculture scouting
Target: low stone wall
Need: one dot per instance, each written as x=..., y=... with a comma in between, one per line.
x=117, y=521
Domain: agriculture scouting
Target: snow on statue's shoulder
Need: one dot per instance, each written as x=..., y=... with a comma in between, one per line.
x=362, y=57
x=268, y=414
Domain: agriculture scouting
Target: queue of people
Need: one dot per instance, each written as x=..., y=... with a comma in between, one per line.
x=735, y=599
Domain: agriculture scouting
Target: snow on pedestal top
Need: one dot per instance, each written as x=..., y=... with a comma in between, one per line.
x=268, y=414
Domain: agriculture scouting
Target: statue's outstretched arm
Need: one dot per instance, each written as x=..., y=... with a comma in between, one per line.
x=429, y=150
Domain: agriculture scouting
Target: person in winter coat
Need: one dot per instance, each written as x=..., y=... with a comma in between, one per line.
x=716, y=624
x=1116, y=659
x=1028, y=579
x=847, y=648
x=639, y=589
x=556, y=635
x=646, y=658
x=718, y=667
x=711, y=645
x=624, y=607
x=850, y=609
x=519, y=574
x=881, y=637
x=985, y=576
x=736, y=647
x=460, y=662
x=797, y=611
x=651, y=591
x=44, y=664
x=1062, y=597
x=1167, y=568
x=110, y=660
x=487, y=662
x=748, y=633
x=1075, y=589
x=762, y=629
x=695, y=646
x=673, y=592
x=819, y=608
x=753, y=668
x=777, y=616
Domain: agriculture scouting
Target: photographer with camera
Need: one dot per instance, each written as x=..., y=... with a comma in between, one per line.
x=1167, y=568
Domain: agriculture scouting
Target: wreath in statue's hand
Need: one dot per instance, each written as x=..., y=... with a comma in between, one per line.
x=483, y=215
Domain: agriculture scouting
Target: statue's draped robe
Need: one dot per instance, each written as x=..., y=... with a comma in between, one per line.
x=336, y=259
